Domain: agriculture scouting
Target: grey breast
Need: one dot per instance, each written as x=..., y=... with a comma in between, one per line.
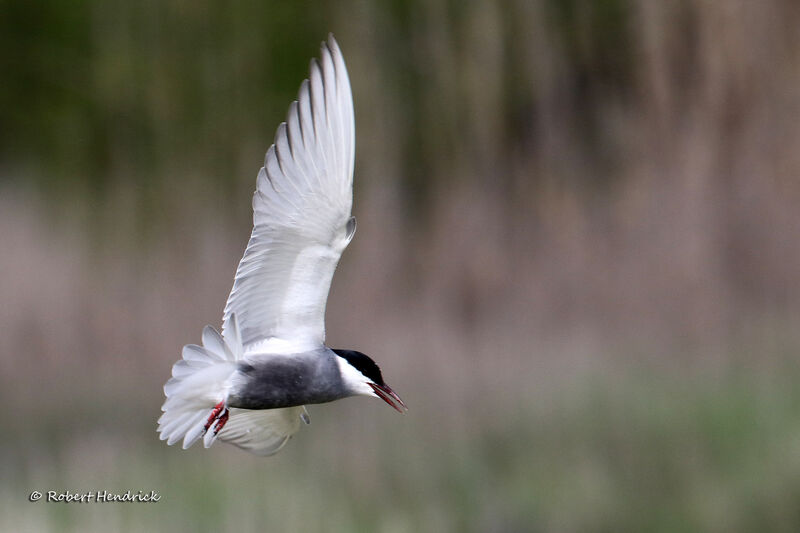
x=273, y=381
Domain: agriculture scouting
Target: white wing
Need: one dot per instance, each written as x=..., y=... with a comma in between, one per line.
x=301, y=213
x=262, y=432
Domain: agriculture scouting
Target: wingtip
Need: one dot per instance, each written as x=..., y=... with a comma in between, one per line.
x=332, y=47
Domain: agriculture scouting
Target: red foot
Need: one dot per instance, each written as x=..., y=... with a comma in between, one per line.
x=221, y=422
x=217, y=418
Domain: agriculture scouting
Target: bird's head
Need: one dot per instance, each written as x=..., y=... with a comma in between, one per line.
x=362, y=376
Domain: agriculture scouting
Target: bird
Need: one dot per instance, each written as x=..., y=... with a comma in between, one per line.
x=249, y=385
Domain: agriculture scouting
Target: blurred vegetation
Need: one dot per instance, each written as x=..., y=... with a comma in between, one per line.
x=632, y=453
x=577, y=261
x=100, y=94
x=136, y=92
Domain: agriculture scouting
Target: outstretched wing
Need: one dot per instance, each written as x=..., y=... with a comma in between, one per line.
x=301, y=212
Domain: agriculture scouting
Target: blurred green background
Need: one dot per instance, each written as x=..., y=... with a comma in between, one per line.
x=578, y=261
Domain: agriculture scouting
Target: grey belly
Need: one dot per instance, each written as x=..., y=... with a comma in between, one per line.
x=286, y=382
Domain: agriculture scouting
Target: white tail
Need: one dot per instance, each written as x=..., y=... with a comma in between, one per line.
x=201, y=380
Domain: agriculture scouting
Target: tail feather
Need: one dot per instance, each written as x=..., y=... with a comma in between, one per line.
x=200, y=354
x=194, y=431
x=180, y=426
x=199, y=382
x=216, y=345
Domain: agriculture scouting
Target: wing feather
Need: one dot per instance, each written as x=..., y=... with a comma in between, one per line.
x=262, y=432
x=301, y=209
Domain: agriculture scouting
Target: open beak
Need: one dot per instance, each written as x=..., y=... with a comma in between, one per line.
x=386, y=394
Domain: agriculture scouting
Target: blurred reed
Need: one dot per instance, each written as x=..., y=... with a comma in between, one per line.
x=577, y=258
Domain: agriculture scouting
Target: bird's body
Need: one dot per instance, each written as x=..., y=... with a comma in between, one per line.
x=248, y=386
x=287, y=380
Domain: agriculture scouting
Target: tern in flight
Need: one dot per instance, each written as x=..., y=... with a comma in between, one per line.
x=248, y=386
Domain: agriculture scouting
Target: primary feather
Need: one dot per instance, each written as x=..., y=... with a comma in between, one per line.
x=301, y=210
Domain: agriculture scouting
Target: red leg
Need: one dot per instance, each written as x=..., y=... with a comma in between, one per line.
x=215, y=414
x=221, y=422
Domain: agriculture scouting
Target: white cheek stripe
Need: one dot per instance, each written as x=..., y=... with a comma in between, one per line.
x=354, y=380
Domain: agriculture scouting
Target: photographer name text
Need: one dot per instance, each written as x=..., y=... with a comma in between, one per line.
x=95, y=496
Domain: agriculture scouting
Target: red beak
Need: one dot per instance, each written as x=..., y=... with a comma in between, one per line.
x=386, y=394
